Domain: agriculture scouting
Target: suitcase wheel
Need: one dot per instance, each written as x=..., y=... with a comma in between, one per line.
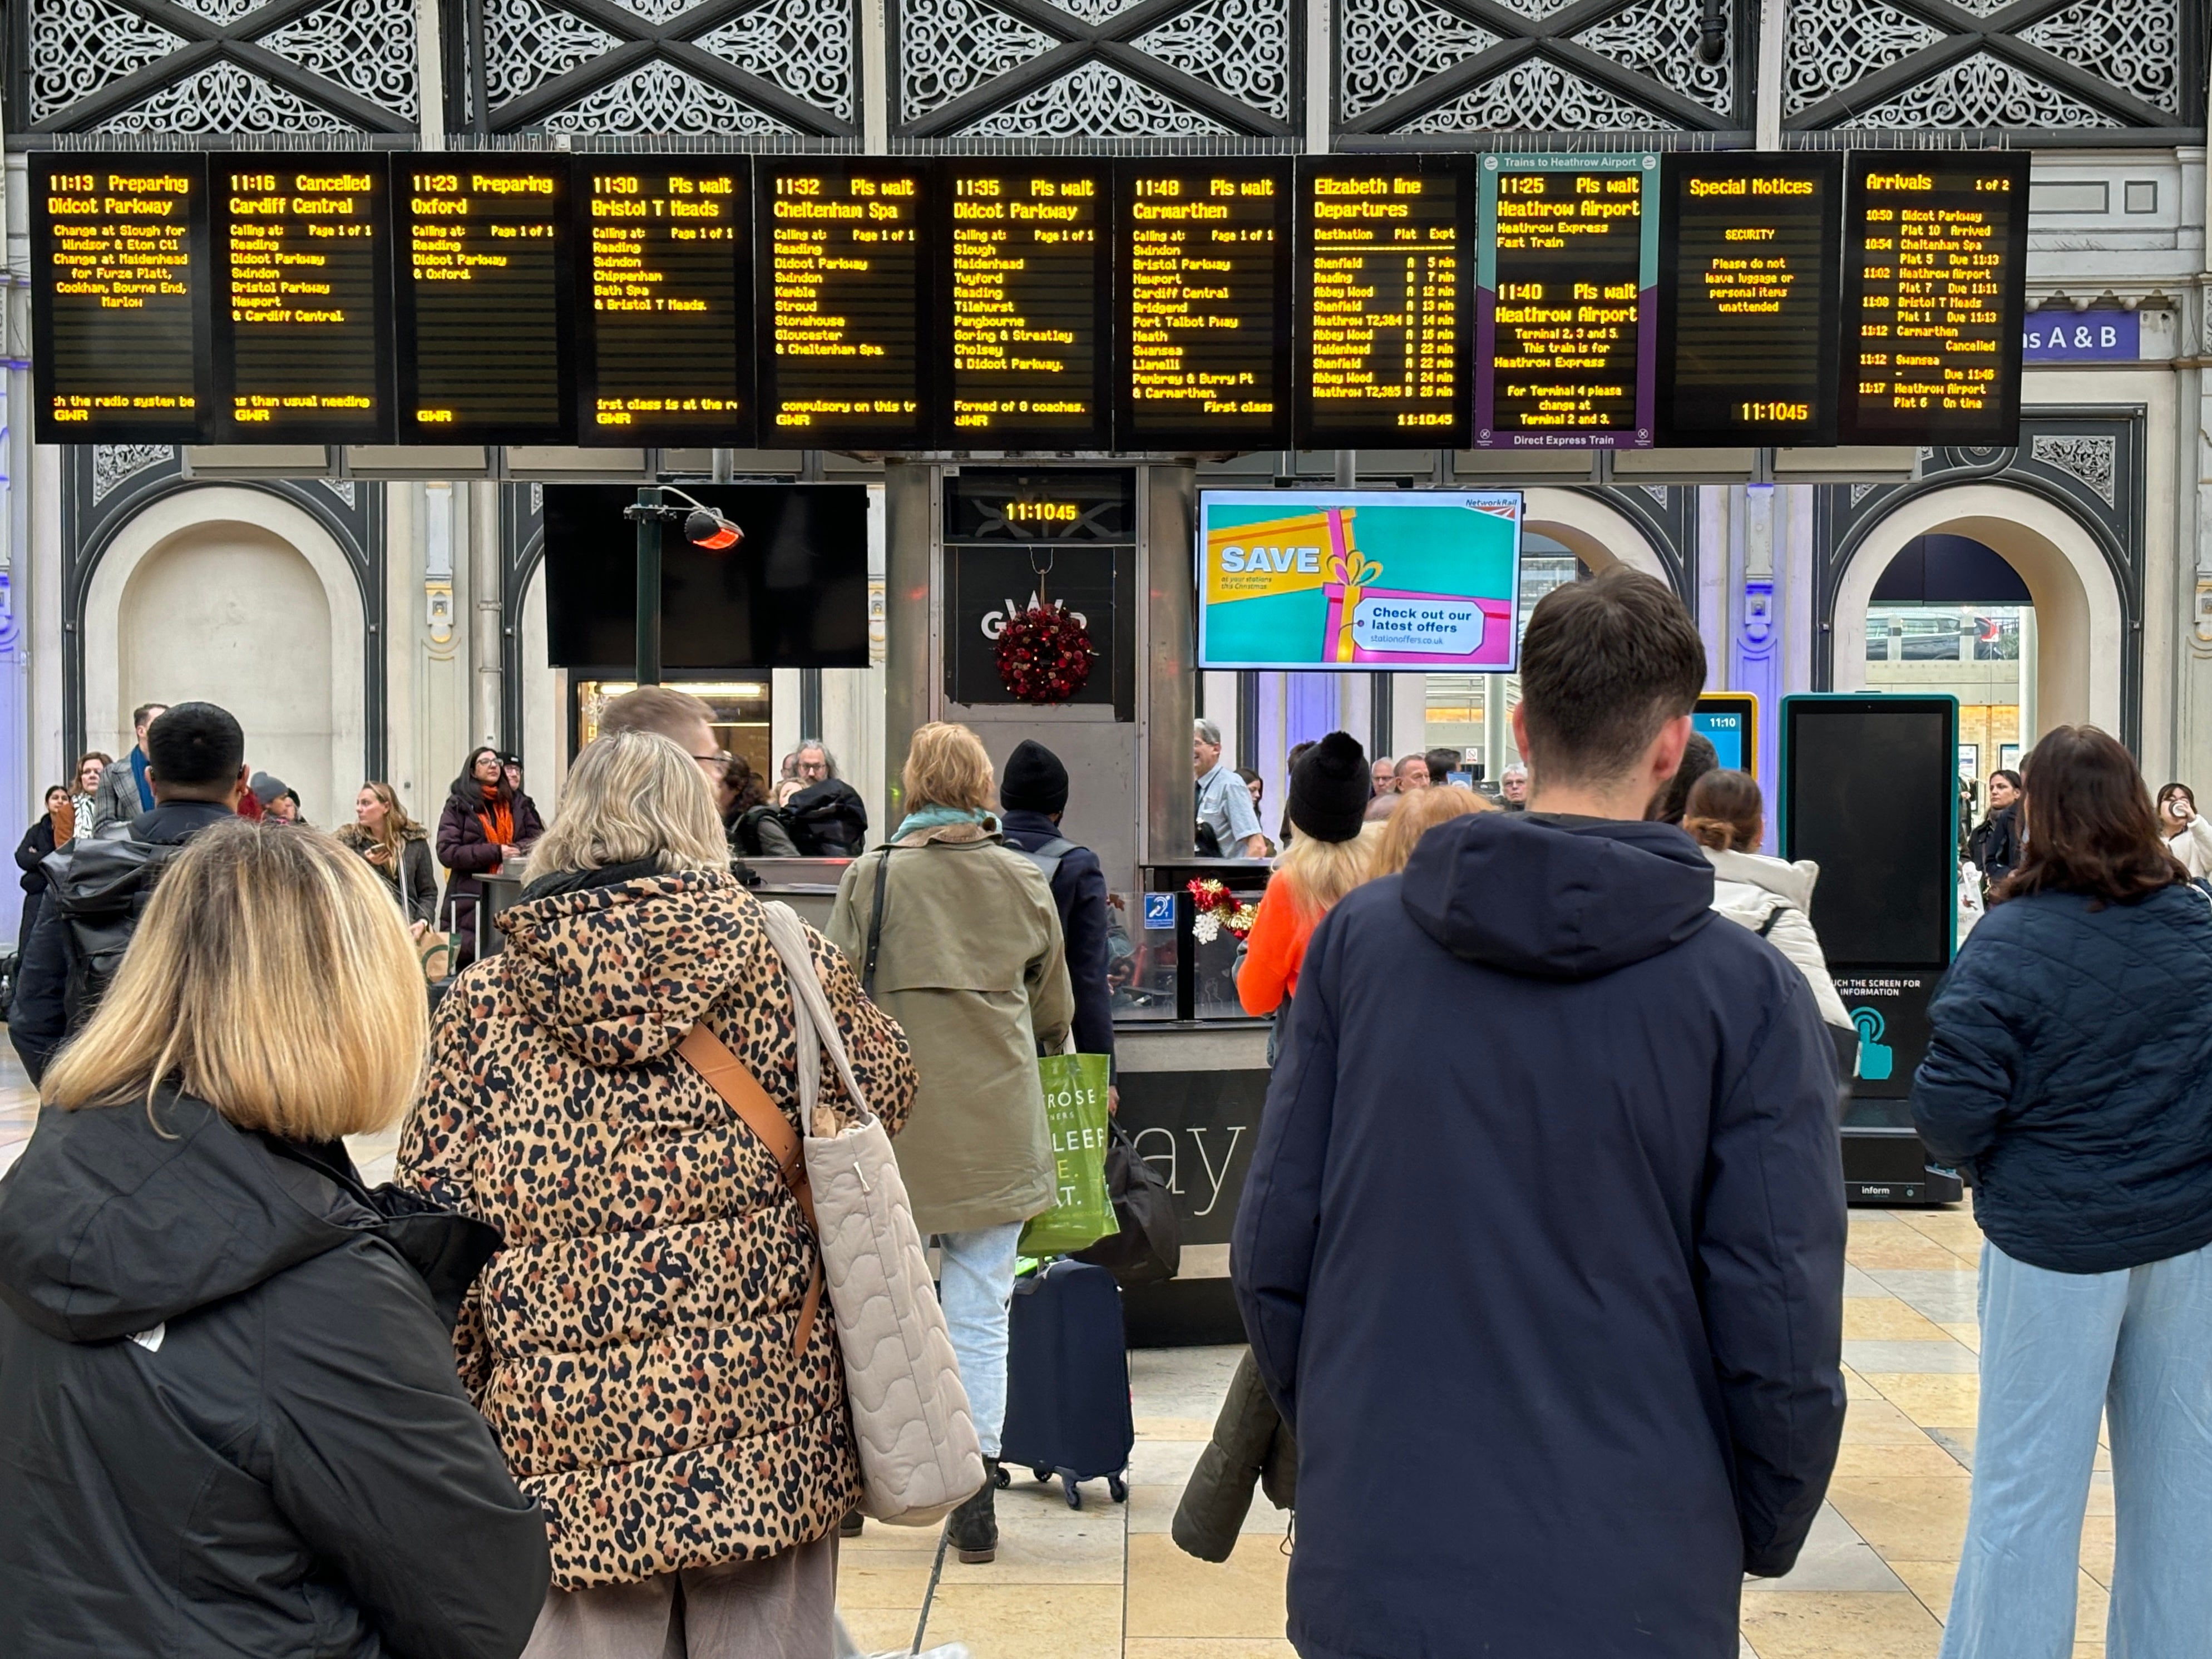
x=1042, y=1474
x=1005, y=1479
x=1074, y=1492
x=1117, y=1489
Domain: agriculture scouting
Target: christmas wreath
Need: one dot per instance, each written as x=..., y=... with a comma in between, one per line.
x=1214, y=907
x=1044, y=654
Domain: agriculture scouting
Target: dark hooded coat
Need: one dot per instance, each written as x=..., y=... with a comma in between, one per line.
x=229, y=1425
x=1558, y=1328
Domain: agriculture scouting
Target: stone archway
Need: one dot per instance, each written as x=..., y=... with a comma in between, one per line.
x=1599, y=535
x=2080, y=616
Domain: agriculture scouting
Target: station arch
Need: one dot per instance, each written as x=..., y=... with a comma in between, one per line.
x=1599, y=535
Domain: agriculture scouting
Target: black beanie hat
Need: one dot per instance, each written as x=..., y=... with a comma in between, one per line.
x=1033, y=780
x=1330, y=788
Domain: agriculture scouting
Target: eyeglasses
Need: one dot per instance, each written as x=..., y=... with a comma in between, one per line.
x=721, y=761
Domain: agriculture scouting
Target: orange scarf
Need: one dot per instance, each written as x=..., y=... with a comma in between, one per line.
x=498, y=820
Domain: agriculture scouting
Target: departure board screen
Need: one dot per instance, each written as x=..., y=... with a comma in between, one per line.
x=1934, y=281
x=481, y=296
x=1747, y=297
x=1203, y=355
x=844, y=271
x=1385, y=252
x=302, y=332
x=1566, y=310
x=1025, y=285
x=662, y=245
x=119, y=285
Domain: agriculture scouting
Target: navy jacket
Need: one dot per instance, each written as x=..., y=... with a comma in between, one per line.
x=1558, y=1327
x=1079, y=888
x=2069, y=1076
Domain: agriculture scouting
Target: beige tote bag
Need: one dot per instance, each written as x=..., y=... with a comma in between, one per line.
x=919, y=1458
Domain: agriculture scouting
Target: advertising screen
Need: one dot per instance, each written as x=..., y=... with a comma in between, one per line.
x=119, y=287
x=1358, y=580
x=482, y=292
x=302, y=298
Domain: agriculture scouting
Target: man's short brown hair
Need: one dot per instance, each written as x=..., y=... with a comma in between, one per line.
x=674, y=715
x=1604, y=665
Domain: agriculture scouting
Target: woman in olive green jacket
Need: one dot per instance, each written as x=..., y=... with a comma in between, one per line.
x=971, y=963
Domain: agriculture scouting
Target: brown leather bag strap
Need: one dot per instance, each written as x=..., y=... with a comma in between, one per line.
x=727, y=1076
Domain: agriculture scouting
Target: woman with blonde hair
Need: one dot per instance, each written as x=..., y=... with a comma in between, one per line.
x=1327, y=858
x=398, y=849
x=1415, y=816
x=650, y=1346
x=957, y=936
x=279, y=1460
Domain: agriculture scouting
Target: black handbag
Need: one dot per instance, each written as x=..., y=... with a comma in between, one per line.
x=1148, y=1250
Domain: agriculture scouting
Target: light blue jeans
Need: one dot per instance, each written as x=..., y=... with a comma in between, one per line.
x=975, y=1282
x=2057, y=1349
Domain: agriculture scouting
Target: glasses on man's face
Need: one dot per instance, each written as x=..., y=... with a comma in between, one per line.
x=718, y=764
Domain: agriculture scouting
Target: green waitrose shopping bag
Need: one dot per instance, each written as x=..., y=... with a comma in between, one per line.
x=1075, y=1109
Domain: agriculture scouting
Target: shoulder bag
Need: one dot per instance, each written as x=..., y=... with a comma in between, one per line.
x=919, y=1456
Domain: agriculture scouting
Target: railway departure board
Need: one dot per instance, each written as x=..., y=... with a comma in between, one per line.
x=302, y=302
x=1384, y=264
x=1024, y=280
x=667, y=304
x=1565, y=309
x=1203, y=354
x=1935, y=263
x=1747, y=297
x=119, y=294
x=481, y=294
x=844, y=271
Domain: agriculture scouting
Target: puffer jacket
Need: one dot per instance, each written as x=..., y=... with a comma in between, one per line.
x=631, y=1345
x=414, y=885
x=2069, y=1075
x=1774, y=899
x=1251, y=1444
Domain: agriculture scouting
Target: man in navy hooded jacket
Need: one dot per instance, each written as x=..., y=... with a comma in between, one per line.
x=1557, y=1329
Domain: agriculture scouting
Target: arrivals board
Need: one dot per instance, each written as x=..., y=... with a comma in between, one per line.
x=1026, y=283
x=1384, y=257
x=482, y=292
x=1747, y=297
x=843, y=270
x=119, y=284
x=1566, y=310
x=302, y=301
x=1201, y=250
x=664, y=288
x=1935, y=267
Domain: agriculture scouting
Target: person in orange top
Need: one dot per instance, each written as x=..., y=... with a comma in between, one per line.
x=1329, y=788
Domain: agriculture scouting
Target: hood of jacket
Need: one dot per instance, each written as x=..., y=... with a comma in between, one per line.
x=110, y=1226
x=361, y=839
x=618, y=971
x=1784, y=880
x=1551, y=899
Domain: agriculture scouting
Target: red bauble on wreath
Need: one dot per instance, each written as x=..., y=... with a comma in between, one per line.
x=1044, y=654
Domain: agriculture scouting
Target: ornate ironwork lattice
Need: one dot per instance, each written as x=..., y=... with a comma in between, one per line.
x=1115, y=68
x=1385, y=46
x=1983, y=92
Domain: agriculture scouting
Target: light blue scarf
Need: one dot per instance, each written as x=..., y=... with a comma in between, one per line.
x=936, y=817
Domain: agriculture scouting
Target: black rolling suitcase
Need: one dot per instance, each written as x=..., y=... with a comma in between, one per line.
x=1067, y=1379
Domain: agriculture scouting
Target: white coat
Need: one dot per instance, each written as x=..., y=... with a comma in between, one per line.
x=1775, y=897
x=2193, y=845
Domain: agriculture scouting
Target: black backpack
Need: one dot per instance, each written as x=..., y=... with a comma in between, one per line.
x=828, y=820
x=101, y=888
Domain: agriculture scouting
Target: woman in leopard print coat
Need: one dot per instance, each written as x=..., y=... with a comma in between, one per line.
x=631, y=1345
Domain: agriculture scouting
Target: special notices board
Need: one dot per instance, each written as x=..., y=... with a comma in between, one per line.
x=1935, y=263
x=1384, y=264
x=844, y=271
x=1566, y=310
x=119, y=290
x=1747, y=290
x=1024, y=269
x=483, y=297
x=1203, y=353
x=668, y=336
x=302, y=335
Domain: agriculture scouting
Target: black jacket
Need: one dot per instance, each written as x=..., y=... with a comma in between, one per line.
x=229, y=1423
x=1078, y=889
x=30, y=852
x=2068, y=1074
x=1994, y=844
x=467, y=852
x=829, y=820
x=38, y=1019
x=1594, y=1276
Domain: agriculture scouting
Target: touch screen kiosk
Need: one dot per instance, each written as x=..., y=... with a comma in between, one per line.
x=1870, y=793
x=1729, y=721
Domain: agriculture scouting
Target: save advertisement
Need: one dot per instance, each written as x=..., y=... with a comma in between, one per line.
x=1358, y=580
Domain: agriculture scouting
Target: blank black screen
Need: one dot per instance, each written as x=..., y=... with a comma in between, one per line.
x=1872, y=793
x=793, y=594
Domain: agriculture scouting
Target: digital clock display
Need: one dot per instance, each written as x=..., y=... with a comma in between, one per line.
x=1748, y=298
